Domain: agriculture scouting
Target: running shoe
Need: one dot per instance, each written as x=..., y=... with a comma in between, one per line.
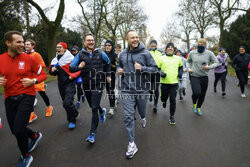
x=111, y=111
x=77, y=104
x=243, y=95
x=223, y=94
x=194, y=108
x=72, y=125
x=181, y=98
x=199, y=112
x=103, y=115
x=172, y=120
x=215, y=90
x=33, y=142
x=132, y=149
x=25, y=161
x=49, y=111
x=154, y=109
x=184, y=92
x=33, y=117
x=143, y=122
x=91, y=138
x=83, y=98
x=164, y=104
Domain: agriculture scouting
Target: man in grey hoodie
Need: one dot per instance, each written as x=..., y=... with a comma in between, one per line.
x=135, y=64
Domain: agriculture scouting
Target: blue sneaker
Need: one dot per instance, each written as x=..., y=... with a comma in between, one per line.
x=91, y=138
x=83, y=98
x=25, y=161
x=71, y=125
x=33, y=142
x=77, y=104
x=103, y=115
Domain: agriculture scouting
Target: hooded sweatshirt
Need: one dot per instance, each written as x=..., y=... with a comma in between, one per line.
x=135, y=81
x=112, y=56
x=222, y=63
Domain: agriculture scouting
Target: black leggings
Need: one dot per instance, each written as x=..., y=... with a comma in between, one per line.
x=243, y=79
x=199, y=89
x=169, y=90
x=155, y=83
x=18, y=109
x=44, y=97
x=110, y=87
x=79, y=91
x=222, y=77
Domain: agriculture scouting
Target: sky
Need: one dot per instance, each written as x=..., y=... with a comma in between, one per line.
x=158, y=12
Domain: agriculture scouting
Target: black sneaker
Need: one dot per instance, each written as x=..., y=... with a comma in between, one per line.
x=184, y=92
x=33, y=142
x=164, y=104
x=181, y=98
x=25, y=161
x=155, y=110
x=171, y=120
x=215, y=90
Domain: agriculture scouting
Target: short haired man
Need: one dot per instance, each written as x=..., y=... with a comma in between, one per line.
x=91, y=62
x=29, y=47
x=135, y=64
x=17, y=76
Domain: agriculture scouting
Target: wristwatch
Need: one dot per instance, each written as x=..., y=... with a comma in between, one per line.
x=35, y=81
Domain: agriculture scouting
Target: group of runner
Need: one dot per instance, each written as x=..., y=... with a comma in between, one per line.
x=145, y=74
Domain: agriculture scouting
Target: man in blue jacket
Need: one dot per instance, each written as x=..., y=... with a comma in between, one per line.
x=135, y=64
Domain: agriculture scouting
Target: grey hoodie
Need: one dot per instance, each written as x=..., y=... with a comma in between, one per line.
x=136, y=81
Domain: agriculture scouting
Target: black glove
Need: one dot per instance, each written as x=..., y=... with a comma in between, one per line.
x=180, y=75
x=163, y=75
x=223, y=64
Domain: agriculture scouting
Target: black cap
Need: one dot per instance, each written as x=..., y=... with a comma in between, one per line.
x=243, y=47
x=75, y=48
x=169, y=44
x=153, y=41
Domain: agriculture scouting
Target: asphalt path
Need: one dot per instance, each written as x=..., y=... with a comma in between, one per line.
x=218, y=138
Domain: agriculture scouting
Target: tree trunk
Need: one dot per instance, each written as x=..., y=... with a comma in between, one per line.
x=51, y=42
x=221, y=42
x=26, y=9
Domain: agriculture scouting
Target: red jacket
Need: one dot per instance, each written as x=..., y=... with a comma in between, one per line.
x=14, y=69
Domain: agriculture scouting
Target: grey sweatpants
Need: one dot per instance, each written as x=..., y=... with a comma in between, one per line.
x=130, y=102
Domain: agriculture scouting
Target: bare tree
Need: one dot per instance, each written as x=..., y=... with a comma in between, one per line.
x=224, y=10
x=200, y=13
x=51, y=27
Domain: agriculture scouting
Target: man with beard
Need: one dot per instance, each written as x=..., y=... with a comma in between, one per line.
x=109, y=50
x=171, y=67
x=135, y=65
x=240, y=64
x=17, y=76
x=91, y=62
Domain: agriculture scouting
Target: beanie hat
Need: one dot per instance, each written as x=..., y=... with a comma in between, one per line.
x=109, y=42
x=203, y=41
x=75, y=48
x=64, y=45
x=178, y=51
x=243, y=47
x=222, y=49
x=169, y=44
x=153, y=41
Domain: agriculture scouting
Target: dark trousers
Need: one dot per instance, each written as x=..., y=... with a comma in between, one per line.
x=199, y=89
x=79, y=91
x=155, y=83
x=169, y=90
x=44, y=97
x=94, y=98
x=110, y=87
x=243, y=79
x=67, y=91
x=18, y=109
x=222, y=78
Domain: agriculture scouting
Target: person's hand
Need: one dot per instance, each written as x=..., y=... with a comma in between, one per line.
x=190, y=70
x=120, y=71
x=53, y=69
x=71, y=78
x=205, y=67
x=81, y=65
x=27, y=82
x=109, y=79
x=137, y=66
x=3, y=81
x=163, y=75
x=223, y=64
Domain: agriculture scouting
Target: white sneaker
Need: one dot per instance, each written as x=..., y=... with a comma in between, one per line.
x=132, y=149
x=243, y=95
x=143, y=122
x=111, y=111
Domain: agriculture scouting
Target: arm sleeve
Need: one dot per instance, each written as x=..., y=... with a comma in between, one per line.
x=214, y=60
x=107, y=62
x=151, y=66
x=73, y=67
x=38, y=71
x=234, y=63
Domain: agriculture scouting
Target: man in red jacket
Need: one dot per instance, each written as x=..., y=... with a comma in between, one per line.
x=17, y=76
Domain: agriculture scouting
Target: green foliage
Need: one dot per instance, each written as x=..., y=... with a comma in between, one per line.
x=10, y=20
x=238, y=34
